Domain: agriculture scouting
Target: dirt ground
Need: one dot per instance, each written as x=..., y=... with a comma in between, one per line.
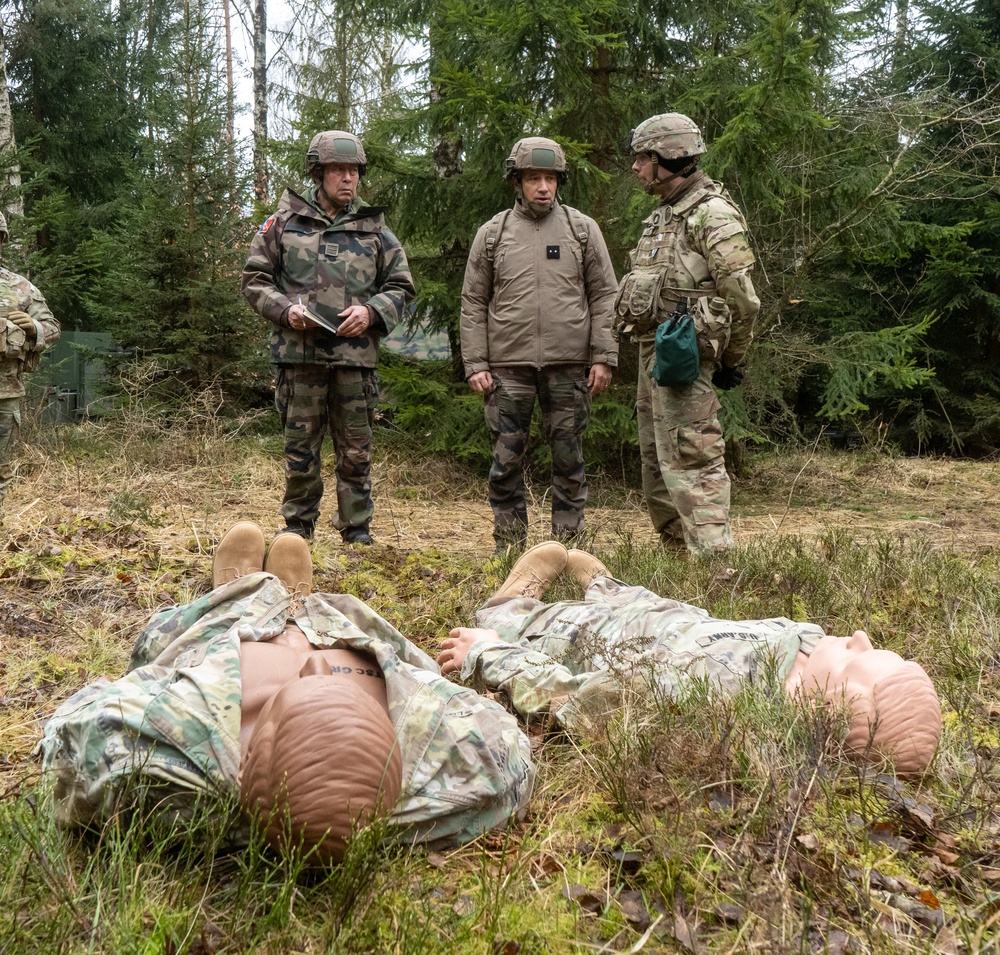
x=952, y=504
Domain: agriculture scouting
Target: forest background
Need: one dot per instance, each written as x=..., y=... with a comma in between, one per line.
x=862, y=142
x=861, y=139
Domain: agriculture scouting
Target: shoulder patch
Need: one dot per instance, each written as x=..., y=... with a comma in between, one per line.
x=266, y=225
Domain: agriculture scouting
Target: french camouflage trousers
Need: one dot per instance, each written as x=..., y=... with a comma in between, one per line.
x=563, y=395
x=10, y=428
x=684, y=478
x=312, y=399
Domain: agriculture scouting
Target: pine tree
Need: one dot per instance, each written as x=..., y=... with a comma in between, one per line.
x=170, y=292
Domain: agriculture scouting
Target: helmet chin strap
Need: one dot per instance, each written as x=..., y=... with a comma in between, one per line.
x=662, y=187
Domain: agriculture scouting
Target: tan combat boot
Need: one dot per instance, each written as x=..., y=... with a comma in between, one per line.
x=585, y=567
x=240, y=552
x=290, y=561
x=534, y=571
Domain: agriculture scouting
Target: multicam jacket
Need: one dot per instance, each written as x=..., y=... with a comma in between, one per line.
x=541, y=296
x=175, y=716
x=696, y=249
x=576, y=659
x=20, y=353
x=330, y=264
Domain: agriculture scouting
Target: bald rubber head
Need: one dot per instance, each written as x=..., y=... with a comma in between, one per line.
x=322, y=762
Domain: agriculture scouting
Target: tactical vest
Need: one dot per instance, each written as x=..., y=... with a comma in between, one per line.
x=666, y=270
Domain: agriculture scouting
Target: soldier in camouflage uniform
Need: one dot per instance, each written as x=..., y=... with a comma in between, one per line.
x=536, y=325
x=27, y=328
x=328, y=252
x=176, y=721
x=694, y=251
x=580, y=660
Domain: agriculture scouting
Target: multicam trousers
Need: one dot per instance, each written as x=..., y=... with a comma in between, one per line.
x=311, y=399
x=564, y=398
x=684, y=476
x=10, y=426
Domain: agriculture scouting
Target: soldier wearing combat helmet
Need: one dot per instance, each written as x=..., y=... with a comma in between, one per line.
x=536, y=325
x=333, y=281
x=27, y=328
x=694, y=256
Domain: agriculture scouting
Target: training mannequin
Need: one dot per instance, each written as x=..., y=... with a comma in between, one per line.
x=569, y=658
x=310, y=707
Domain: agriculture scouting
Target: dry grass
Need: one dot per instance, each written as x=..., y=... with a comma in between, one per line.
x=733, y=827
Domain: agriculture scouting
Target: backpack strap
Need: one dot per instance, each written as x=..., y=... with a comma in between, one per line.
x=494, y=229
x=578, y=226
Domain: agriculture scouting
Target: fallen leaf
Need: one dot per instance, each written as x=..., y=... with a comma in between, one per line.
x=808, y=840
x=634, y=909
x=929, y=899
x=946, y=942
x=728, y=912
x=590, y=900
x=684, y=934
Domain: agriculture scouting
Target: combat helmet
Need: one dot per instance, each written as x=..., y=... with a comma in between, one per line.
x=536, y=152
x=667, y=135
x=4, y=234
x=334, y=145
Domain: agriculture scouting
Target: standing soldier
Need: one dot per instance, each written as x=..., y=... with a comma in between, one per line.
x=694, y=256
x=333, y=280
x=27, y=328
x=536, y=324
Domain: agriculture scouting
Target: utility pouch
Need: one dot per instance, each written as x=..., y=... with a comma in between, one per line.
x=12, y=339
x=677, y=362
x=638, y=297
x=712, y=324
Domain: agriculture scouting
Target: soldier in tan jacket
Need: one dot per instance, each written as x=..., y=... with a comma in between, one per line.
x=536, y=325
x=693, y=253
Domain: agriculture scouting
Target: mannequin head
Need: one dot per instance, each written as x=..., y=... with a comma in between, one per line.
x=895, y=713
x=322, y=761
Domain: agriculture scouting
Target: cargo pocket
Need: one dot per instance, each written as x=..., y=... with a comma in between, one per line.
x=712, y=326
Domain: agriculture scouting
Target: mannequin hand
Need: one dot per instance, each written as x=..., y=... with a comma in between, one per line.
x=726, y=377
x=456, y=647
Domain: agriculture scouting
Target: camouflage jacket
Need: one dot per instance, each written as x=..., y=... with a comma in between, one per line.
x=576, y=659
x=696, y=249
x=19, y=353
x=541, y=296
x=175, y=716
x=330, y=264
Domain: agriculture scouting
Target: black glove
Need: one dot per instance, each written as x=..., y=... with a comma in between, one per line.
x=726, y=377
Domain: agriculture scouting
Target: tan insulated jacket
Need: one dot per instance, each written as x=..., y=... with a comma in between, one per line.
x=543, y=297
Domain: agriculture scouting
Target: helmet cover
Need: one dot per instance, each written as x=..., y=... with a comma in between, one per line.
x=536, y=152
x=668, y=135
x=335, y=145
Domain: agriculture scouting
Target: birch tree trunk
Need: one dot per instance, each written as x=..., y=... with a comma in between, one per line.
x=261, y=188
x=12, y=203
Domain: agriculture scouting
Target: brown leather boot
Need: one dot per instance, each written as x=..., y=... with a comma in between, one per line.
x=585, y=567
x=534, y=571
x=240, y=552
x=288, y=558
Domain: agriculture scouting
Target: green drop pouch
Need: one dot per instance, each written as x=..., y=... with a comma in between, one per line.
x=677, y=362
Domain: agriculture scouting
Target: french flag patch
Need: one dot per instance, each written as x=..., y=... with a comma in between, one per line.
x=266, y=225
